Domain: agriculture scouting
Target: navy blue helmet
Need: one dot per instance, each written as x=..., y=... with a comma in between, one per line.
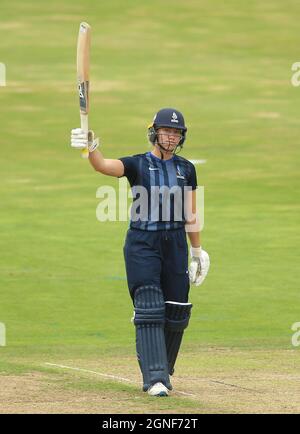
x=168, y=118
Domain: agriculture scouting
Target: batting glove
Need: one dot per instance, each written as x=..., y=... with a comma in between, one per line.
x=81, y=139
x=199, y=265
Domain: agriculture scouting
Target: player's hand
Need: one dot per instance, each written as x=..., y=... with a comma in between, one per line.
x=199, y=265
x=81, y=139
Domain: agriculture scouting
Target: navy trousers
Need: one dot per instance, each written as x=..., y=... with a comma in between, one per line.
x=158, y=258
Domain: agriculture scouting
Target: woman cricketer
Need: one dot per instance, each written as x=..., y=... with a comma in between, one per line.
x=156, y=249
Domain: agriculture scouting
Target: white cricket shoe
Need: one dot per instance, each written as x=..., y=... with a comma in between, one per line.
x=158, y=389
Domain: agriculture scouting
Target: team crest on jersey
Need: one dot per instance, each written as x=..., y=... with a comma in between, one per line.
x=178, y=172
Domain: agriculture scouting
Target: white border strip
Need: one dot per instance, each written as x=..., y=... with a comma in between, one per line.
x=175, y=302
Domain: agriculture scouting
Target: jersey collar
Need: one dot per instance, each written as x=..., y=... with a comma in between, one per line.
x=159, y=159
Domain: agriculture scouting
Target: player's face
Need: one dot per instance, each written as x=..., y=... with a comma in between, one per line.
x=169, y=138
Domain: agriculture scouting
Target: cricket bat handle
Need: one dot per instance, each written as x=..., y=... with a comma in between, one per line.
x=85, y=127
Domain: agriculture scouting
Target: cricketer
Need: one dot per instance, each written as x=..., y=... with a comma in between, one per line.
x=156, y=247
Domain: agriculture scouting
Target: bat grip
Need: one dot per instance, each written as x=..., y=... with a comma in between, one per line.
x=85, y=128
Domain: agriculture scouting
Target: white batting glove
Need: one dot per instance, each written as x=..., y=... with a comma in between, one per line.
x=199, y=265
x=81, y=139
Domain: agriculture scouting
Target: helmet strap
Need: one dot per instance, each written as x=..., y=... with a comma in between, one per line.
x=166, y=150
x=155, y=141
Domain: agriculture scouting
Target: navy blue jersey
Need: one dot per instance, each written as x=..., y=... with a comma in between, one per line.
x=165, y=182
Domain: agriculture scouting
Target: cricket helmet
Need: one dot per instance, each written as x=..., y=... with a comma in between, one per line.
x=168, y=118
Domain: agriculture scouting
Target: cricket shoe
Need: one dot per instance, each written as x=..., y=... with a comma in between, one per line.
x=158, y=389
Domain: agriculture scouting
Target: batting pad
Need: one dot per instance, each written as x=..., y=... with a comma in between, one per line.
x=177, y=319
x=149, y=321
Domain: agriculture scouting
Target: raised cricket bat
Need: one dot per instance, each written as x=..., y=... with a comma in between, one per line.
x=83, y=73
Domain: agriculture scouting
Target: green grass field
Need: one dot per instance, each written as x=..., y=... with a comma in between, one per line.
x=64, y=299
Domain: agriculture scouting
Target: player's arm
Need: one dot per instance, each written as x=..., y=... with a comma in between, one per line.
x=81, y=140
x=106, y=166
x=200, y=262
x=192, y=225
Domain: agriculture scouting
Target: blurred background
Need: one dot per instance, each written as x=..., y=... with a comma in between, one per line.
x=227, y=67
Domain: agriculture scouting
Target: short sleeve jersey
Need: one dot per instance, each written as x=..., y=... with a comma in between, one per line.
x=158, y=189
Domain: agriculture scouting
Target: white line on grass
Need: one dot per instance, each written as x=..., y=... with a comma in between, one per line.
x=186, y=394
x=198, y=161
x=113, y=377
